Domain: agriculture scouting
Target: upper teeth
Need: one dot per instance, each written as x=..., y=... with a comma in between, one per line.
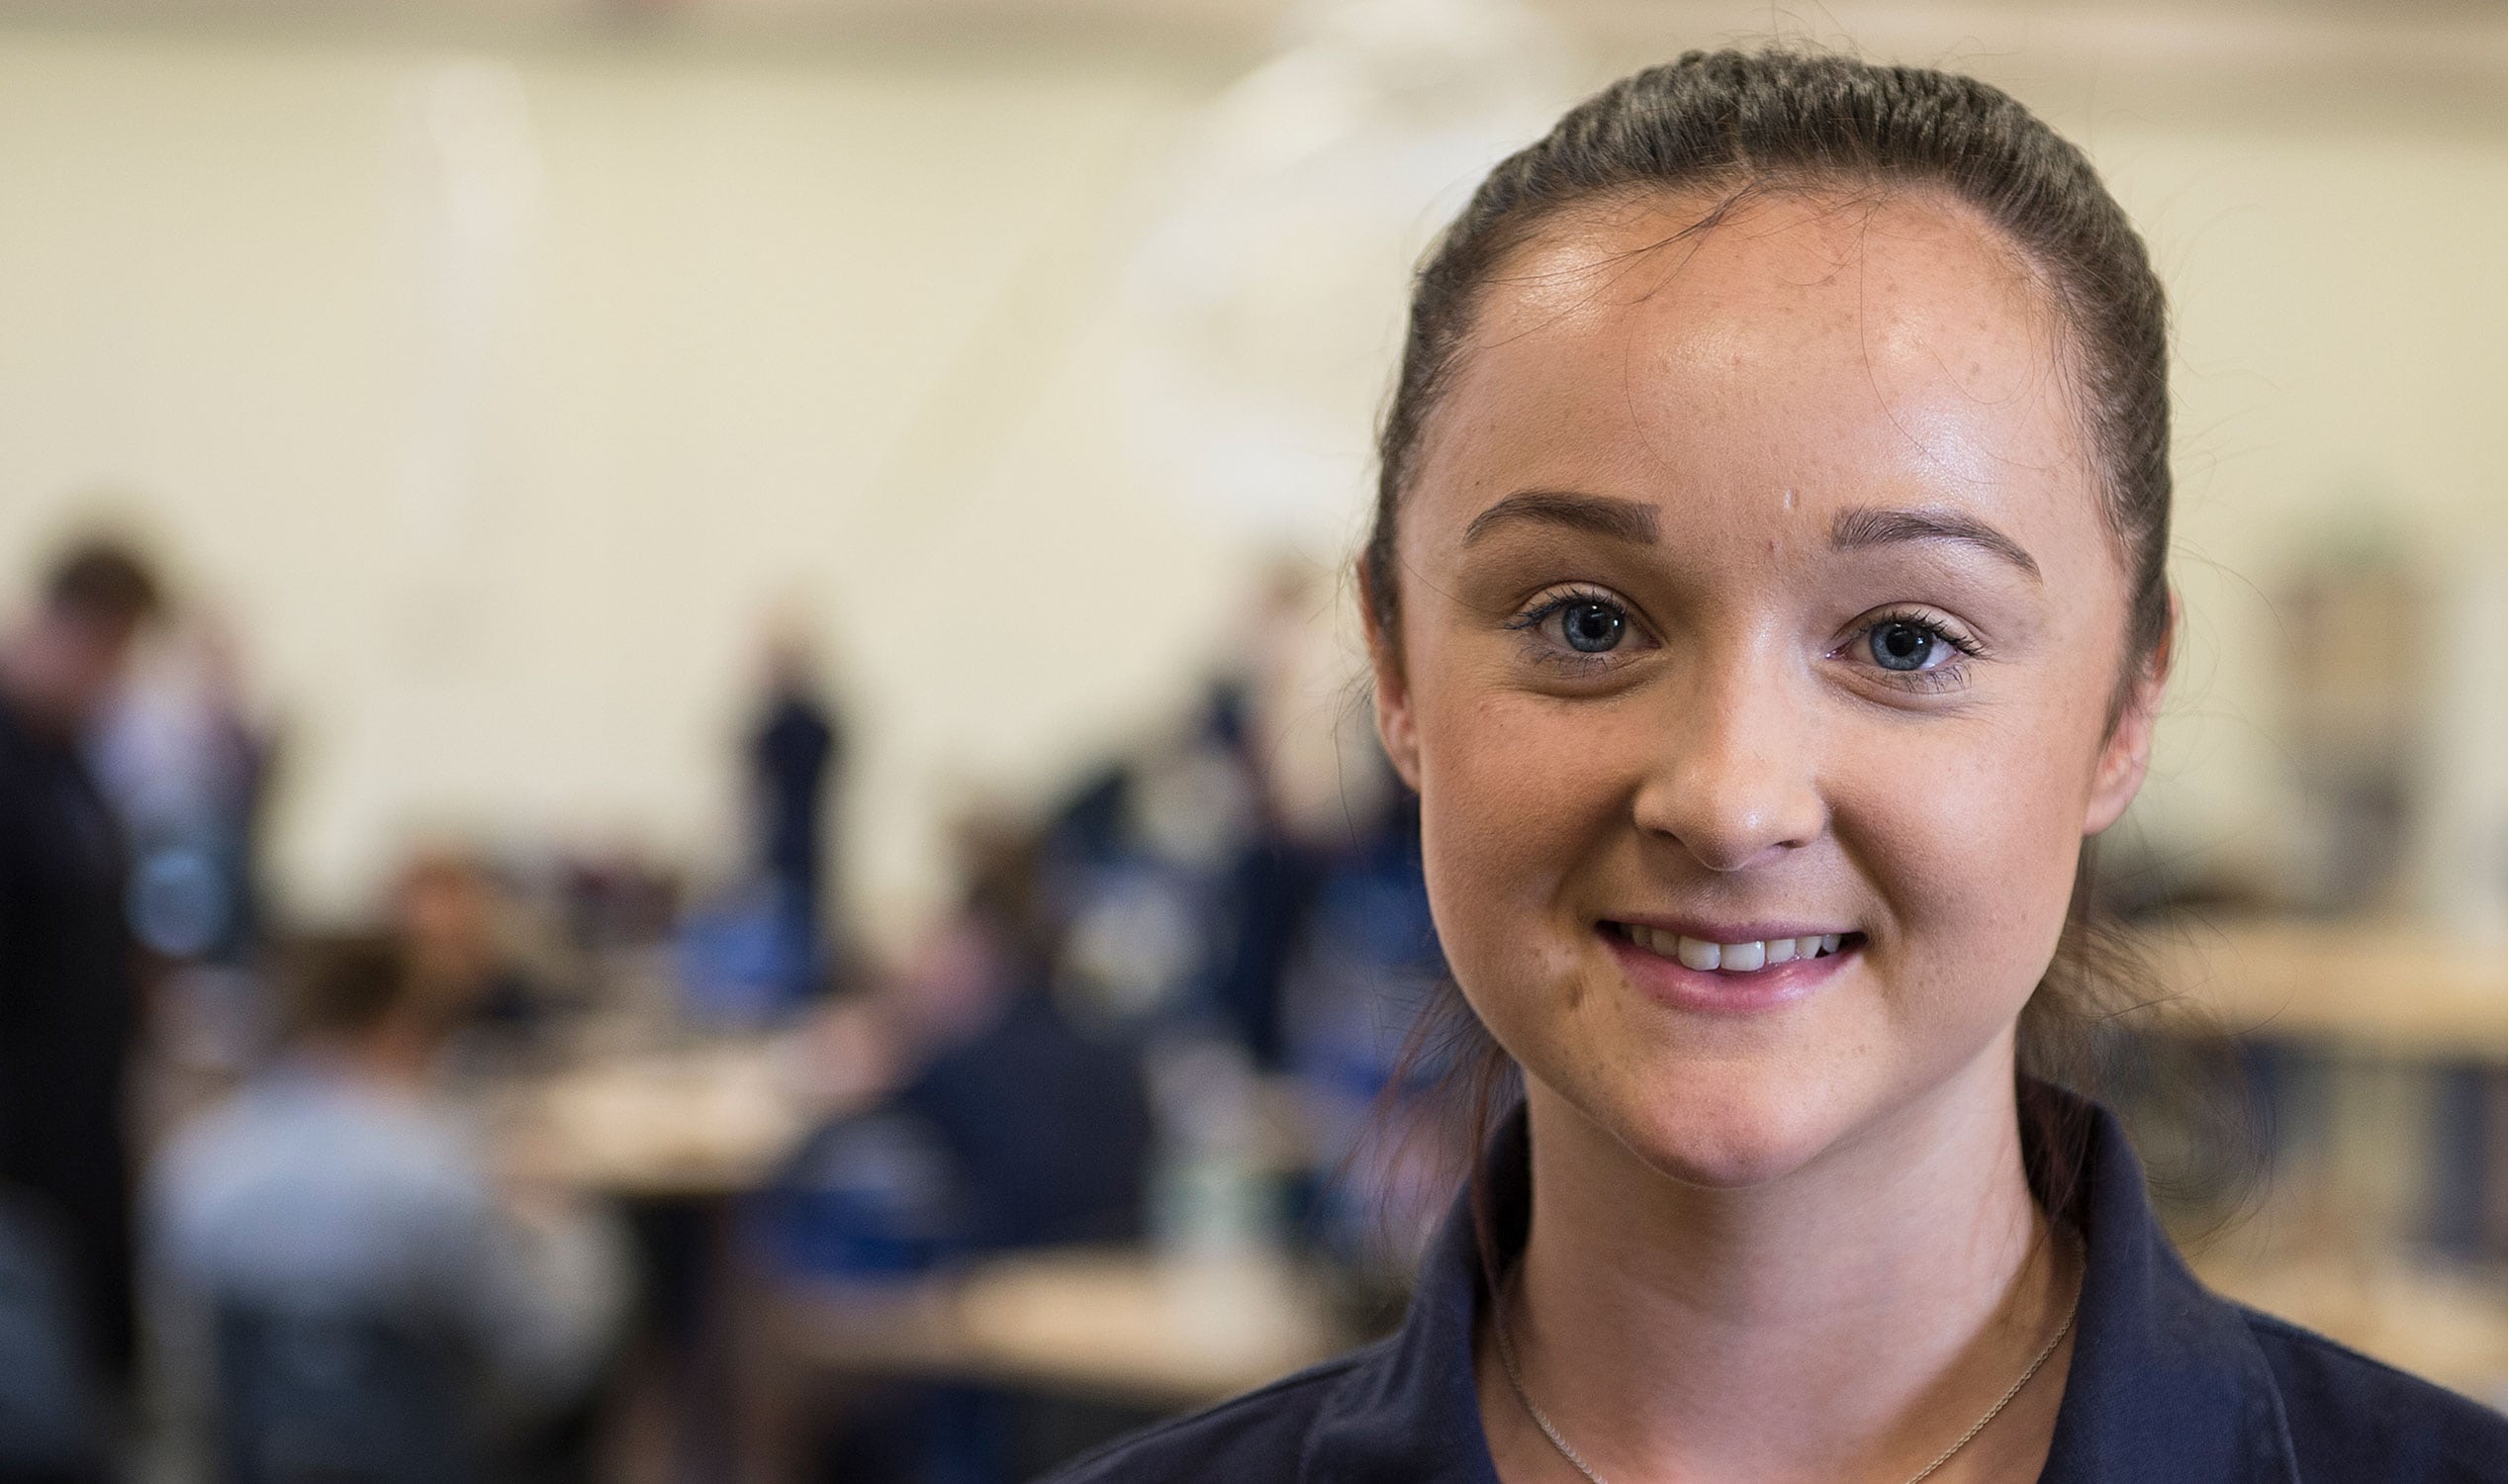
x=1731, y=958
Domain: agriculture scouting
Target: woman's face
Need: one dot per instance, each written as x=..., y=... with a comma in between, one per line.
x=1756, y=591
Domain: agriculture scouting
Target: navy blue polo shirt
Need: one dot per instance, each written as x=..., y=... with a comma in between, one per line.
x=2170, y=1384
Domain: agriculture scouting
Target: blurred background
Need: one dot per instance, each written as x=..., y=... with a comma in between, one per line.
x=683, y=788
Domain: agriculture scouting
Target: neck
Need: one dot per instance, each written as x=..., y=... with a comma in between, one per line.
x=23, y=685
x=396, y=1055
x=1845, y=1322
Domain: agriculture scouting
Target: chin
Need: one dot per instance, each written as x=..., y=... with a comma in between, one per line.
x=1724, y=1125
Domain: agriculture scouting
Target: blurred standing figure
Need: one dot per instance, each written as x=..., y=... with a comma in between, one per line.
x=795, y=751
x=189, y=771
x=68, y=997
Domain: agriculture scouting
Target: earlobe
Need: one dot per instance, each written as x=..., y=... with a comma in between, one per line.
x=2125, y=761
x=1392, y=693
x=2122, y=766
x=1394, y=730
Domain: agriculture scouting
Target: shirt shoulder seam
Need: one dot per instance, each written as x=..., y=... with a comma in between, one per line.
x=2283, y=1329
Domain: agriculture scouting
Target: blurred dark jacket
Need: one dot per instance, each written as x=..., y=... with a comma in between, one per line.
x=50, y=1424
x=1048, y=1130
x=67, y=1008
x=795, y=748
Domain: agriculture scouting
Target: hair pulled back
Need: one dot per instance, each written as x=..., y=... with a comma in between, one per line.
x=1730, y=124
x=1735, y=122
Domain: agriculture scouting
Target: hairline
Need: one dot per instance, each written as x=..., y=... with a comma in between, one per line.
x=1730, y=190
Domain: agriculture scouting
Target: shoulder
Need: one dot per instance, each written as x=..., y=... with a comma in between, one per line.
x=2365, y=1419
x=293, y=1145
x=1247, y=1440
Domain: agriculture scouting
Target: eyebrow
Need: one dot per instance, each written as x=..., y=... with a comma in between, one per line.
x=1629, y=520
x=1865, y=527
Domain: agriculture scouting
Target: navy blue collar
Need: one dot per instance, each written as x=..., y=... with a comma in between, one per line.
x=2167, y=1381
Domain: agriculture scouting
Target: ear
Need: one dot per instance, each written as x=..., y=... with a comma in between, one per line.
x=1394, y=725
x=2125, y=759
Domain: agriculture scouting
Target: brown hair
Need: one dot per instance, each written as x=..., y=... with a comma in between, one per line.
x=1735, y=124
x=101, y=582
x=344, y=986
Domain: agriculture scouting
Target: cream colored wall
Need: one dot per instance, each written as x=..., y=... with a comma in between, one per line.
x=841, y=327
x=815, y=332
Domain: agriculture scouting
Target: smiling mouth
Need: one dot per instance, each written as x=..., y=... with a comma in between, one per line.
x=1733, y=958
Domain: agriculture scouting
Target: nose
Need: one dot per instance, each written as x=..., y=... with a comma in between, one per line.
x=1734, y=781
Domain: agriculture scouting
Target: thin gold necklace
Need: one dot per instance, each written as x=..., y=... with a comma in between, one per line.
x=1515, y=1379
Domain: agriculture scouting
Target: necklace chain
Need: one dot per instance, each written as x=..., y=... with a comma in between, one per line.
x=1515, y=1379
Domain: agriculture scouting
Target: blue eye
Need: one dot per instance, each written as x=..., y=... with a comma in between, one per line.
x=1591, y=628
x=1897, y=644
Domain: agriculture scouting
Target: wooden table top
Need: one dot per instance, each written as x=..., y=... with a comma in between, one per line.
x=701, y=1121
x=1115, y=1323
x=2390, y=988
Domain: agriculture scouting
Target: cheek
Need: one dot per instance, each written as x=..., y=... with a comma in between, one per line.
x=1974, y=849
x=1514, y=794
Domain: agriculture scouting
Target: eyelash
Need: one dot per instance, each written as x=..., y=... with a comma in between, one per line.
x=1950, y=676
x=1529, y=621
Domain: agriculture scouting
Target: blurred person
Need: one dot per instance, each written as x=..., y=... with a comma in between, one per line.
x=796, y=758
x=339, y=1203
x=1048, y=1128
x=1033, y=1132
x=68, y=996
x=1768, y=604
x=1363, y=963
x=188, y=771
x=1167, y=897
x=449, y=915
x=1008, y=1128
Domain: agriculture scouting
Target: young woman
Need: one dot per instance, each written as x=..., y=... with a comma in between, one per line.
x=1767, y=601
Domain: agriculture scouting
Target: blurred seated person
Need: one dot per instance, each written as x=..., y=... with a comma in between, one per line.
x=1050, y=1128
x=338, y=1208
x=1021, y=1130
x=446, y=910
x=1008, y=1126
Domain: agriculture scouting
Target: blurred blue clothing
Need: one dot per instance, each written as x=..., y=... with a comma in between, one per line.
x=795, y=745
x=189, y=778
x=750, y=958
x=1026, y=1134
x=319, y=1192
x=795, y=748
x=1048, y=1130
x=2168, y=1384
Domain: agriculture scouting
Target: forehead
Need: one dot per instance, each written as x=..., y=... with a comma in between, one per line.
x=1839, y=347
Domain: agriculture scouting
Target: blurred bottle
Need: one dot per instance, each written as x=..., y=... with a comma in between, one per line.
x=2462, y=823
x=1212, y=1190
x=2352, y=621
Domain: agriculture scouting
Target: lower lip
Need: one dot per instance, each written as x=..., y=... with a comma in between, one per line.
x=1714, y=992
